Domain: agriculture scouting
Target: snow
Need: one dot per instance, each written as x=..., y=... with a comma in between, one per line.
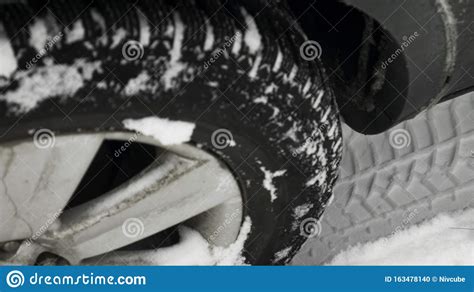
x=49, y=81
x=293, y=72
x=39, y=34
x=316, y=103
x=319, y=178
x=137, y=84
x=307, y=87
x=118, y=37
x=256, y=64
x=166, y=131
x=98, y=19
x=8, y=63
x=237, y=43
x=76, y=33
x=300, y=211
x=282, y=254
x=209, y=42
x=145, y=31
x=268, y=181
x=232, y=255
x=194, y=250
x=175, y=66
x=252, y=38
x=447, y=239
x=278, y=61
x=261, y=99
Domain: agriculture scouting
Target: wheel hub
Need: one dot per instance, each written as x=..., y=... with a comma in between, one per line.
x=181, y=185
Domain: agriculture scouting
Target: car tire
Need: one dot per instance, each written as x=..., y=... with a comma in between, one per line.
x=235, y=70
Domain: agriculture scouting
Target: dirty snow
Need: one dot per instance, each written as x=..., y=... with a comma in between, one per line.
x=268, y=181
x=252, y=37
x=49, y=81
x=8, y=64
x=448, y=239
x=166, y=131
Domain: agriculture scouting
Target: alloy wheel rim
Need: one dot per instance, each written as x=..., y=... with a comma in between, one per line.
x=182, y=185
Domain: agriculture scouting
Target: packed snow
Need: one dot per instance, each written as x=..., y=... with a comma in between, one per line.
x=8, y=63
x=166, y=131
x=447, y=239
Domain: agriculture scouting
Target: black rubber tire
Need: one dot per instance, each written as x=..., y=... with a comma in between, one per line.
x=295, y=129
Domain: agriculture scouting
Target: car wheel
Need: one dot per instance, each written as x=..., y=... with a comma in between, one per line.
x=98, y=99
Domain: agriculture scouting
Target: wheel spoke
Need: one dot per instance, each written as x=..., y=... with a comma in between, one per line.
x=38, y=181
x=171, y=190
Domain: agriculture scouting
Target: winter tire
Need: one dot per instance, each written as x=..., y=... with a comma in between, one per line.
x=234, y=70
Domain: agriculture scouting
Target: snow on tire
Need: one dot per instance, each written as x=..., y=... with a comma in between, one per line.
x=237, y=69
